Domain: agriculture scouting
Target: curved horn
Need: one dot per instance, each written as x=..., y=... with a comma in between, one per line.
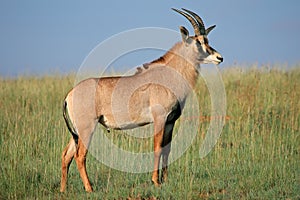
x=193, y=22
x=199, y=20
x=209, y=29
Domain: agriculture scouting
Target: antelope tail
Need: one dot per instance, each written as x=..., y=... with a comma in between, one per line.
x=70, y=127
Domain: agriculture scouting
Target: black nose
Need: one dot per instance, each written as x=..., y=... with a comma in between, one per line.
x=220, y=58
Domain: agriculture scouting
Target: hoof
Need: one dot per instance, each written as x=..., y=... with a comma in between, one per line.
x=89, y=189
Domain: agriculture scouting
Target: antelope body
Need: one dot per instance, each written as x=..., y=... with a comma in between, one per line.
x=155, y=94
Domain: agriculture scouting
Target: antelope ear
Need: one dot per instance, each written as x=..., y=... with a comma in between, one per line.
x=184, y=34
x=209, y=29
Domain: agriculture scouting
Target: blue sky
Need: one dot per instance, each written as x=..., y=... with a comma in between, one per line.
x=41, y=37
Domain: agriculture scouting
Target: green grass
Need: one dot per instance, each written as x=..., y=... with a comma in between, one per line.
x=257, y=155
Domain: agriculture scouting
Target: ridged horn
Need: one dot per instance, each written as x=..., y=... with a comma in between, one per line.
x=191, y=19
x=199, y=20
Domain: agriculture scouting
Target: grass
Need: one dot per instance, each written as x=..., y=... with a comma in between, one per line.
x=257, y=155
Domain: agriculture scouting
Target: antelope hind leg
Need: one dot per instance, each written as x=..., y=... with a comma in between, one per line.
x=67, y=157
x=80, y=158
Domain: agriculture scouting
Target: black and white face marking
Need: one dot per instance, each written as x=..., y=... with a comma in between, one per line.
x=206, y=52
x=202, y=42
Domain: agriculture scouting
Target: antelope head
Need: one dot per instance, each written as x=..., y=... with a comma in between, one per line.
x=199, y=42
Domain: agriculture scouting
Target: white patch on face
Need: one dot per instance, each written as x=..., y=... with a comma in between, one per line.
x=211, y=59
x=203, y=48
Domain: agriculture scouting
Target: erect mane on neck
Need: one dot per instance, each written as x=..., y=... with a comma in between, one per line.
x=177, y=58
x=168, y=55
x=161, y=60
x=180, y=59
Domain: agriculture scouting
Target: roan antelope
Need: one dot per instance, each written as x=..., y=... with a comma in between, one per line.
x=155, y=94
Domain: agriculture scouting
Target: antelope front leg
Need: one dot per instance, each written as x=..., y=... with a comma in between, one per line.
x=158, y=139
x=165, y=158
x=167, y=138
x=158, y=113
x=157, y=155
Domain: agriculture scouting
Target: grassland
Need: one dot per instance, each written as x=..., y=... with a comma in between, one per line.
x=257, y=155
